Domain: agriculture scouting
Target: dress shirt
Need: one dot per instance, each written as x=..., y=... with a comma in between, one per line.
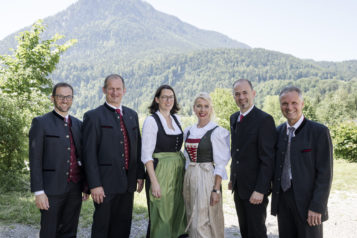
x=246, y=113
x=120, y=107
x=150, y=130
x=220, y=146
x=296, y=125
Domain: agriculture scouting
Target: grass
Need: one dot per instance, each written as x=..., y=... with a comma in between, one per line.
x=19, y=207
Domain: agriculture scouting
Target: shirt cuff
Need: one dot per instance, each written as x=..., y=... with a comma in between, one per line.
x=145, y=160
x=39, y=192
x=221, y=171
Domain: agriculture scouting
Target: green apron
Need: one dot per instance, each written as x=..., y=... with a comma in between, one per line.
x=167, y=213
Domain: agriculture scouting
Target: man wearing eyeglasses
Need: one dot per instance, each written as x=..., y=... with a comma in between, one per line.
x=55, y=166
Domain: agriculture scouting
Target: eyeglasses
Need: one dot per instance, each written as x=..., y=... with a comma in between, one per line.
x=62, y=98
x=167, y=97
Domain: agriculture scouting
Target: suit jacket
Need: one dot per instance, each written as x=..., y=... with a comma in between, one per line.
x=311, y=167
x=103, y=150
x=49, y=154
x=252, y=151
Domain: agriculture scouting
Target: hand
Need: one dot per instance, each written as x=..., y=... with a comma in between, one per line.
x=313, y=218
x=140, y=186
x=85, y=196
x=256, y=198
x=97, y=194
x=42, y=201
x=214, y=198
x=230, y=185
x=155, y=189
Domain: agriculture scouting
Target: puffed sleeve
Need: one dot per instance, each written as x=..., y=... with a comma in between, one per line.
x=148, y=141
x=221, y=151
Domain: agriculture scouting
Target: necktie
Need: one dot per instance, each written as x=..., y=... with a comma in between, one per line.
x=285, y=177
x=241, y=117
x=126, y=140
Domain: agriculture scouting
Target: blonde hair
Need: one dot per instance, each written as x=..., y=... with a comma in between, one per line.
x=205, y=96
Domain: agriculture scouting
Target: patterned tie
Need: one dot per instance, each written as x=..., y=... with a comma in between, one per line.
x=285, y=177
x=126, y=140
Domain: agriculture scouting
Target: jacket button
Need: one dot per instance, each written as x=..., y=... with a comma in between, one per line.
x=234, y=174
x=67, y=173
x=122, y=155
x=67, y=161
x=237, y=162
x=237, y=149
x=67, y=136
x=65, y=124
x=121, y=142
x=118, y=117
x=69, y=148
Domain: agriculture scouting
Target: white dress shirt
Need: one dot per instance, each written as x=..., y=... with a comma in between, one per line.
x=150, y=129
x=246, y=113
x=220, y=146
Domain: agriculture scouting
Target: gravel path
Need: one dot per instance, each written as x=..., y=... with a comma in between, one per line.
x=342, y=222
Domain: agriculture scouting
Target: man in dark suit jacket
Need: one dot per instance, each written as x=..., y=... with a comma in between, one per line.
x=55, y=166
x=253, y=139
x=112, y=145
x=303, y=170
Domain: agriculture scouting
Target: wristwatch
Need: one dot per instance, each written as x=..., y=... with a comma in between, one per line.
x=216, y=191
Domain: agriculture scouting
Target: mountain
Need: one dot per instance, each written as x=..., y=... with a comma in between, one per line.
x=149, y=48
x=112, y=30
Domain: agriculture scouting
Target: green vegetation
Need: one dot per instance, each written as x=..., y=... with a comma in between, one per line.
x=24, y=87
x=19, y=207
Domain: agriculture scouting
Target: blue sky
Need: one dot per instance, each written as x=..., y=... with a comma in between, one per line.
x=314, y=29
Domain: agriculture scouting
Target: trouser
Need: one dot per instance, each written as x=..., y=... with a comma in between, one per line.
x=290, y=224
x=61, y=219
x=112, y=218
x=251, y=217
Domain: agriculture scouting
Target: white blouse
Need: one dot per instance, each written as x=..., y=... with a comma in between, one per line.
x=220, y=146
x=150, y=129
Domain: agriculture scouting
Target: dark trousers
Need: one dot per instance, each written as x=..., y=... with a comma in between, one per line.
x=251, y=217
x=61, y=219
x=290, y=224
x=112, y=218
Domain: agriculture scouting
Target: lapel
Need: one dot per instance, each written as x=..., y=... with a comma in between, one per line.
x=234, y=119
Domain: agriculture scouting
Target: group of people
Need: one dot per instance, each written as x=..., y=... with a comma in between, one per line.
x=106, y=157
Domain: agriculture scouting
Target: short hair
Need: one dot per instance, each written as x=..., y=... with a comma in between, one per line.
x=113, y=76
x=207, y=97
x=291, y=89
x=155, y=106
x=61, y=85
x=243, y=80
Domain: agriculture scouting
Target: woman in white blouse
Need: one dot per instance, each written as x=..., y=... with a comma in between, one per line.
x=207, y=153
x=161, y=144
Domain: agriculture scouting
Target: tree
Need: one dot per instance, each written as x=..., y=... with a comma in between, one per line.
x=224, y=106
x=271, y=105
x=24, y=89
x=345, y=140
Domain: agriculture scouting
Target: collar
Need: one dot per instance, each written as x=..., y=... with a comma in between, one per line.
x=112, y=108
x=248, y=111
x=296, y=125
x=60, y=116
